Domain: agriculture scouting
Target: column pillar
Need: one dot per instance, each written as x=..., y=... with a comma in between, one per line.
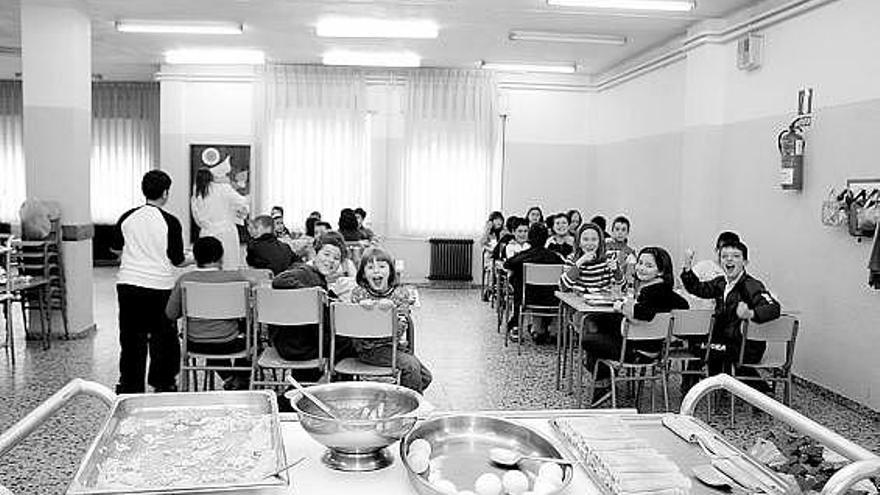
x=57, y=97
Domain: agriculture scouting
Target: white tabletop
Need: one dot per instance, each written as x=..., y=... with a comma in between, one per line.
x=313, y=477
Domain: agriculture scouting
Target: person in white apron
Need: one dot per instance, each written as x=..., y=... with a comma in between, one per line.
x=216, y=207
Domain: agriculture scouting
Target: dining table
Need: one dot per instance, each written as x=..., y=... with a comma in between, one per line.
x=575, y=311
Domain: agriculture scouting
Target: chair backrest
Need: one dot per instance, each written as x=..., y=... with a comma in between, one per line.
x=353, y=320
x=535, y=274
x=215, y=300
x=290, y=306
x=691, y=322
x=256, y=276
x=782, y=329
x=656, y=329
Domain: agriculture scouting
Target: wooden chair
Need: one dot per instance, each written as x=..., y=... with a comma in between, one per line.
x=215, y=301
x=355, y=321
x=535, y=275
x=625, y=369
x=289, y=308
x=6, y=298
x=780, y=333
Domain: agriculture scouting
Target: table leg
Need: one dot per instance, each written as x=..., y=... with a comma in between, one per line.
x=580, y=364
x=45, y=322
x=562, y=326
x=10, y=337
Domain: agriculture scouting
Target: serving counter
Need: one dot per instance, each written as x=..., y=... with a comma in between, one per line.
x=312, y=476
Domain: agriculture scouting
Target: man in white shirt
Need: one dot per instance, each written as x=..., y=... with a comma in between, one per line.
x=151, y=242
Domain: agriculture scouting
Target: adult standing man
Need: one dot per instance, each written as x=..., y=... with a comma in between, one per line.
x=151, y=241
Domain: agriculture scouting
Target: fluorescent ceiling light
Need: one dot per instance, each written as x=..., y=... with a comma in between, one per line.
x=215, y=56
x=372, y=59
x=344, y=27
x=557, y=37
x=189, y=27
x=669, y=5
x=561, y=69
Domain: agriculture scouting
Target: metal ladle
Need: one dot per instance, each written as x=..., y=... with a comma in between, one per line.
x=510, y=458
x=318, y=402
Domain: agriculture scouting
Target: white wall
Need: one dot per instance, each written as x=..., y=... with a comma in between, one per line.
x=547, y=138
x=193, y=110
x=727, y=167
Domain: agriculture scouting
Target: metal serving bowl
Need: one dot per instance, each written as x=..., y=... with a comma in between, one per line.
x=460, y=447
x=371, y=416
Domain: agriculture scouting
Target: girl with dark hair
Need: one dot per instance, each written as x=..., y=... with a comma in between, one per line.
x=655, y=294
x=378, y=289
x=574, y=221
x=534, y=215
x=217, y=208
x=493, y=231
x=348, y=226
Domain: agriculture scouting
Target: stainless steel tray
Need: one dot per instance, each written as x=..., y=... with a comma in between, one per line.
x=461, y=444
x=125, y=406
x=650, y=428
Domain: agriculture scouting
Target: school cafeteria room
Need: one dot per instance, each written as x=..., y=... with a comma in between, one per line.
x=525, y=247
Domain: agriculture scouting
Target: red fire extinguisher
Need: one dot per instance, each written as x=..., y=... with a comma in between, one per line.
x=791, y=146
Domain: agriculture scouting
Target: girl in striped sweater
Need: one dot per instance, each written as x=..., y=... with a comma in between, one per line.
x=590, y=270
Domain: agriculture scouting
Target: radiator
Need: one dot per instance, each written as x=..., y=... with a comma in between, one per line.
x=451, y=259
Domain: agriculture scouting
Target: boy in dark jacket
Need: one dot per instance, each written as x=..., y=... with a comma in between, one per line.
x=265, y=250
x=738, y=297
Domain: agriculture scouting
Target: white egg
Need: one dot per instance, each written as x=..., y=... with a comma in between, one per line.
x=551, y=471
x=418, y=461
x=445, y=486
x=515, y=482
x=420, y=444
x=544, y=486
x=488, y=484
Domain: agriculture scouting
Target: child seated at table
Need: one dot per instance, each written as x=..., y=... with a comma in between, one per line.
x=520, y=238
x=212, y=336
x=378, y=289
x=654, y=294
x=561, y=241
x=267, y=251
x=591, y=270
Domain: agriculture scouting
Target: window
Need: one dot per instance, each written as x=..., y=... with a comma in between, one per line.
x=448, y=174
x=12, y=171
x=316, y=152
x=125, y=145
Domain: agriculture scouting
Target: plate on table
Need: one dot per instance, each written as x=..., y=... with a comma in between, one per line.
x=459, y=449
x=599, y=299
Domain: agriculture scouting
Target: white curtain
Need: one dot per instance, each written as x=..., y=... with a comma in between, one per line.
x=125, y=145
x=315, y=153
x=448, y=171
x=12, y=178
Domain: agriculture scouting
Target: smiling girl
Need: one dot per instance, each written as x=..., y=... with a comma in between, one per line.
x=560, y=242
x=591, y=270
x=378, y=290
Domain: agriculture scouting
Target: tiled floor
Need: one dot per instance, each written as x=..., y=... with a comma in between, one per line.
x=456, y=338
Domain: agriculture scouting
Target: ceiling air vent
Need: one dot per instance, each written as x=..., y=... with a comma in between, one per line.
x=749, y=51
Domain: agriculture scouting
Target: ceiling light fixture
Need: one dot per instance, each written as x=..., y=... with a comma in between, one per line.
x=667, y=5
x=189, y=27
x=215, y=56
x=344, y=27
x=372, y=59
x=557, y=37
x=512, y=67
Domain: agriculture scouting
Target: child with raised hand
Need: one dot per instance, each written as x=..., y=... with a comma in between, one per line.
x=379, y=289
x=590, y=270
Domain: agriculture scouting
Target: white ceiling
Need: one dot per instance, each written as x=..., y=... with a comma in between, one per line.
x=470, y=30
